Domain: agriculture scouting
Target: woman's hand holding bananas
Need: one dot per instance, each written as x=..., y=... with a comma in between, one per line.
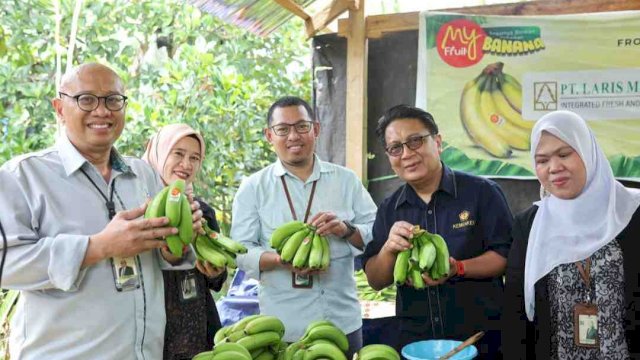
x=208, y=269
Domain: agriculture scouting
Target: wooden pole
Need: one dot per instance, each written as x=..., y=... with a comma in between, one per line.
x=356, y=102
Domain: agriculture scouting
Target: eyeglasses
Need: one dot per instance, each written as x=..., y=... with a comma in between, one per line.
x=90, y=102
x=302, y=127
x=413, y=143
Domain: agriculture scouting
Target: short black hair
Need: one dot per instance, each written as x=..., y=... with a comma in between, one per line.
x=289, y=101
x=404, y=111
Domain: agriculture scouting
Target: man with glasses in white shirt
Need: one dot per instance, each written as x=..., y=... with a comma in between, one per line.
x=330, y=197
x=72, y=214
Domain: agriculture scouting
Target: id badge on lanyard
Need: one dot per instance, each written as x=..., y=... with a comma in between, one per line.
x=585, y=314
x=126, y=273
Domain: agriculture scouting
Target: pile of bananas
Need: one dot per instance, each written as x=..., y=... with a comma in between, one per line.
x=259, y=335
x=366, y=292
x=490, y=110
x=298, y=244
x=429, y=253
x=173, y=203
x=321, y=340
x=377, y=352
x=217, y=249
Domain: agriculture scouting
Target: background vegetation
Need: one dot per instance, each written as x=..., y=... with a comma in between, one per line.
x=180, y=65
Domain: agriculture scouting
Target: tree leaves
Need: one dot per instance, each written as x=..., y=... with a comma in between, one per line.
x=215, y=77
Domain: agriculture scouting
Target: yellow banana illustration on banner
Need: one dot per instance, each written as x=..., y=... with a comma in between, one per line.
x=490, y=111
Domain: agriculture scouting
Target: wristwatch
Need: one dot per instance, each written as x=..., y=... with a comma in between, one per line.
x=350, y=229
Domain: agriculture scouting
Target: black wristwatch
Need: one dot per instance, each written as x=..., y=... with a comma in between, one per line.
x=350, y=229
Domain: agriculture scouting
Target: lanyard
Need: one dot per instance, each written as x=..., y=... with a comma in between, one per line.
x=585, y=275
x=108, y=202
x=293, y=212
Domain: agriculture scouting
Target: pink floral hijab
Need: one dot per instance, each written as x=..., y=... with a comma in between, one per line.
x=164, y=140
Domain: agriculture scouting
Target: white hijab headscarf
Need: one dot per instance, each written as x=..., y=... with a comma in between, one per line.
x=566, y=231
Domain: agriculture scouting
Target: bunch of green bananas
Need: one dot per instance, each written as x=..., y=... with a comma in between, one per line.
x=298, y=244
x=173, y=203
x=217, y=249
x=321, y=340
x=259, y=335
x=377, y=352
x=429, y=253
x=490, y=110
x=366, y=292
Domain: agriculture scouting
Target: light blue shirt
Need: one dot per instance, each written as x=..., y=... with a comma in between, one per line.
x=260, y=206
x=49, y=209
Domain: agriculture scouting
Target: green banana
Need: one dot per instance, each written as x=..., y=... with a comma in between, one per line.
x=265, y=355
x=401, y=266
x=173, y=204
x=284, y=231
x=331, y=333
x=324, y=351
x=292, y=349
x=326, y=253
x=256, y=352
x=231, y=355
x=230, y=347
x=427, y=255
x=220, y=335
x=315, y=255
x=300, y=259
x=156, y=207
x=234, y=336
x=291, y=246
x=264, y=323
x=240, y=324
x=227, y=243
x=262, y=339
x=210, y=253
x=442, y=254
x=185, y=229
x=378, y=352
x=315, y=324
x=416, y=278
x=207, y=355
x=175, y=245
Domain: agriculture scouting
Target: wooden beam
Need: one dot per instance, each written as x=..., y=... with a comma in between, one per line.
x=325, y=16
x=380, y=24
x=294, y=8
x=356, y=102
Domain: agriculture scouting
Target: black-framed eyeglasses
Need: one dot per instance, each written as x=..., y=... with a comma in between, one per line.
x=413, y=143
x=90, y=102
x=302, y=127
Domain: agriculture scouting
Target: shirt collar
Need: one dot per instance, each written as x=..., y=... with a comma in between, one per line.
x=72, y=160
x=447, y=184
x=318, y=168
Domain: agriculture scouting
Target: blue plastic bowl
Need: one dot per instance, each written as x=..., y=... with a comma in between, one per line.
x=434, y=349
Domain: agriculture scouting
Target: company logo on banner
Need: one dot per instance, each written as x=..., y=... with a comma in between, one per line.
x=463, y=43
x=488, y=79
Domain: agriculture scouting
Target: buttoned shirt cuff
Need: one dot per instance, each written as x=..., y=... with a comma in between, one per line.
x=188, y=261
x=365, y=234
x=66, y=257
x=250, y=262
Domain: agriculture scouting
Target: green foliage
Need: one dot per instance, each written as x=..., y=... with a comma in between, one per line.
x=179, y=65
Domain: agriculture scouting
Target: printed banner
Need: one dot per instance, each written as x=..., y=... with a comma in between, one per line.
x=487, y=79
